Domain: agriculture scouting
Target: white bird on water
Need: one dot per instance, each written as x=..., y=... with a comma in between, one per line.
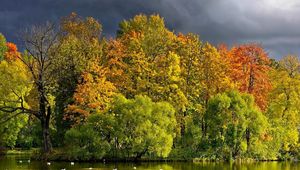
x=48, y=163
x=134, y=167
x=28, y=161
x=91, y=168
x=20, y=161
x=72, y=163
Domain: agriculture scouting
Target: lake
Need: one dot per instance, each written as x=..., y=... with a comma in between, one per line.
x=19, y=162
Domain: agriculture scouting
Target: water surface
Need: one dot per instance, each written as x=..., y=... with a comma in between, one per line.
x=19, y=162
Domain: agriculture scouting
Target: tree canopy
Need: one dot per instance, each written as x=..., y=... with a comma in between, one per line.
x=147, y=93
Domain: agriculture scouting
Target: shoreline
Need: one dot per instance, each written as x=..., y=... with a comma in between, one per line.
x=59, y=157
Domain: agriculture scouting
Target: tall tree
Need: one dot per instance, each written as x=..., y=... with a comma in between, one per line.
x=92, y=95
x=189, y=51
x=146, y=52
x=213, y=76
x=79, y=43
x=40, y=44
x=234, y=123
x=249, y=70
x=14, y=87
x=284, y=109
x=115, y=60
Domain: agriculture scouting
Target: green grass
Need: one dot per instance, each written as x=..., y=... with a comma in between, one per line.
x=17, y=151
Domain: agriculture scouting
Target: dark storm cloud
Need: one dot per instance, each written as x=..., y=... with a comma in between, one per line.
x=273, y=23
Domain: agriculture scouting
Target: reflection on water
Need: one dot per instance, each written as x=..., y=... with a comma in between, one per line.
x=16, y=162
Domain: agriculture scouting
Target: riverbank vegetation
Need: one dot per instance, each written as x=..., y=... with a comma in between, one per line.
x=148, y=93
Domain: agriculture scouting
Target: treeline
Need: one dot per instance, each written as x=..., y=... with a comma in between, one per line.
x=147, y=93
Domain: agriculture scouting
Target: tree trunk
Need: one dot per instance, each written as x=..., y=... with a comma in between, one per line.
x=248, y=138
x=182, y=124
x=251, y=81
x=45, y=121
x=140, y=154
x=203, y=128
x=47, y=146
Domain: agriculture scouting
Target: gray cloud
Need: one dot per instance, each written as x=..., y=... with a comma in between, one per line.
x=273, y=23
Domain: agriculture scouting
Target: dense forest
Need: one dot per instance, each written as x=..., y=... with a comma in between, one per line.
x=147, y=93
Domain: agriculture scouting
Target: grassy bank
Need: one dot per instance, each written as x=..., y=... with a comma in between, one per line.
x=19, y=151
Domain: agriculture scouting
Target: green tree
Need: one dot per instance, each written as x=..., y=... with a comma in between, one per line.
x=90, y=140
x=284, y=111
x=143, y=126
x=79, y=44
x=234, y=124
x=14, y=87
x=144, y=56
x=188, y=49
x=3, y=47
x=40, y=44
x=131, y=128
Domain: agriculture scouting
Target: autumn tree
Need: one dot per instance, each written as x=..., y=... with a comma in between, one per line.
x=40, y=44
x=145, y=40
x=116, y=60
x=213, y=70
x=12, y=52
x=284, y=110
x=92, y=95
x=79, y=42
x=143, y=60
x=14, y=87
x=249, y=70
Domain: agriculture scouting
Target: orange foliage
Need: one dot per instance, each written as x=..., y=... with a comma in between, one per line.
x=249, y=70
x=92, y=95
x=12, y=52
x=84, y=28
x=266, y=137
x=114, y=61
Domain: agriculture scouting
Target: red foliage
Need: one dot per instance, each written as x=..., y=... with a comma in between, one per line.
x=12, y=52
x=249, y=70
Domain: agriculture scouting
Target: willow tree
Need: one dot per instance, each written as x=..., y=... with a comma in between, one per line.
x=235, y=124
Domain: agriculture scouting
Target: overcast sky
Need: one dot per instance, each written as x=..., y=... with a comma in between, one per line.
x=273, y=23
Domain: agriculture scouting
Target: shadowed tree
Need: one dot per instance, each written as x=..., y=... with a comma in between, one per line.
x=40, y=44
x=79, y=42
